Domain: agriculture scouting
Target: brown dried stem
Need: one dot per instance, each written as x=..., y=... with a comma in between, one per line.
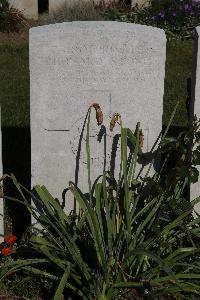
x=115, y=119
x=99, y=113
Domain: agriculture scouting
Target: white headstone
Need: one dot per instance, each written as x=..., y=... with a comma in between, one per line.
x=72, y=65
x=1, y=200
x=29, y=8
x=195, y=188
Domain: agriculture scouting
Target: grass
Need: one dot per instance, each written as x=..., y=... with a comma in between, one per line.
x=178, y=70
x=14, y=83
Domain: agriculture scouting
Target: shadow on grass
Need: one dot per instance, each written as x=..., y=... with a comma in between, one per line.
x=174, y=132
x=16, y=152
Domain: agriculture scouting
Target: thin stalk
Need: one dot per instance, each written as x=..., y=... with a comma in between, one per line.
x=88, y=156
x=134, y=159
x=126, y=189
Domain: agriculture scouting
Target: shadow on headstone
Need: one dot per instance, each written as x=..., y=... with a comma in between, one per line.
x=16, y=159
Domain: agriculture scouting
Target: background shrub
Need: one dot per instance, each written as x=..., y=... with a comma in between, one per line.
x=10, y=18
x=178, y=18
x=75, y=10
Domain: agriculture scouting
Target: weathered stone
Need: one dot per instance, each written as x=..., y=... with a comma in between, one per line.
x=72, y=65
x=29, y=8
x=1, y=200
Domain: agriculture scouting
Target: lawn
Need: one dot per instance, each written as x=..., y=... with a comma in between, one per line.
x=178, y=71
x=14, y=82
x=14, y=85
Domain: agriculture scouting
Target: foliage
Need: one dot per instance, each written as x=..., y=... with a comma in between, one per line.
x=180, y=167
x=73, y=11
x=17, y=286
x=178, y=18
x=10, y=18
x=123, y=243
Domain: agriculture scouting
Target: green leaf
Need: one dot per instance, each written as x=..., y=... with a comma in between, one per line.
x=93, y=221
x=62, y=284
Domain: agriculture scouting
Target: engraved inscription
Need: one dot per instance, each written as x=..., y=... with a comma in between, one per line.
x=90, y=62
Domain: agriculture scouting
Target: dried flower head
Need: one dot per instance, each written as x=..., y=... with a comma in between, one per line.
x=99, y=113
x=141, y=138
x=115, y=119
x=141, y=134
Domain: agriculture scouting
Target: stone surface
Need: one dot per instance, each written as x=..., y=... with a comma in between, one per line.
x=195, y=188
x=1, y=200
x=72, y=65
x=28, y=7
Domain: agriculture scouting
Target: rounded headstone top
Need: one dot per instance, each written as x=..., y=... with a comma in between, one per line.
x=99, y=25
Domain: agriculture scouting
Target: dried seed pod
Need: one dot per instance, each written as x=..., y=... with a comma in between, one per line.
x=115, y=119
x=141, y=134
x=141, y=138
x=99, y=113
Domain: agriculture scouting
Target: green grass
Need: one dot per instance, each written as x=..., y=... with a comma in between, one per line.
x=14, y=82
x=178, y=70
x=14, y=85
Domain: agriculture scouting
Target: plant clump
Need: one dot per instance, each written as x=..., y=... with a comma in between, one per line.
x=74, y=10
x=11, y=19
x=178, y=18
x=133, y=237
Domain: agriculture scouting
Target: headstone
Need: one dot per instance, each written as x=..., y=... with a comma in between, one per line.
x=72, y=65
x=29, y=8
x=1, y=200
x=195, y=188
